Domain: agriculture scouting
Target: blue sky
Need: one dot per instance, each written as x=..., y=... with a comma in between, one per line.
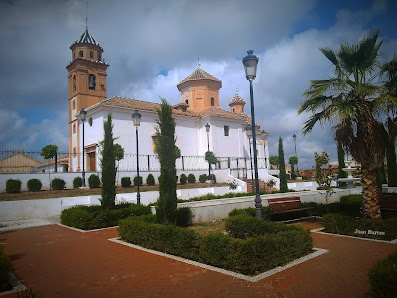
x=152, y=45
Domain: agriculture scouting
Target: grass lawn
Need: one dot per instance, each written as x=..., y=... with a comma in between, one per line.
x=50, y=194
x=217, y=226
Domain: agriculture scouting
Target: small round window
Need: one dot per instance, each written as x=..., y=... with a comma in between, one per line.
x=90, y=121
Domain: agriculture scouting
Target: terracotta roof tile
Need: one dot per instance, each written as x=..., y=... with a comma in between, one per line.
x=199, y=74
x=152, y=106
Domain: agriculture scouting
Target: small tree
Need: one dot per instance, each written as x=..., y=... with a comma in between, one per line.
x=108, y=166
x=293, y=160
x=273, y=159
x=50, y=151
x=324, y=177
x=118, y=155
x=281, y=163
x=168, y=153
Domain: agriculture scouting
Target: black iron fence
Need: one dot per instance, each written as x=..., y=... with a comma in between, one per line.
x=30, y=161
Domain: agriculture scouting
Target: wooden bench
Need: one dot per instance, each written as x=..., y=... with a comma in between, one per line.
x=388, y=203
x=286, y=205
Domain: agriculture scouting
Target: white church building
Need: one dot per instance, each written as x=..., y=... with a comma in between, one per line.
x=199, y=105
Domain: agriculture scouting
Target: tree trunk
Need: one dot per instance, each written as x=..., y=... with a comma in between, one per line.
x=370, y=206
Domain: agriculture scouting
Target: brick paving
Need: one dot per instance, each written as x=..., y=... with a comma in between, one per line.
x=60, y=262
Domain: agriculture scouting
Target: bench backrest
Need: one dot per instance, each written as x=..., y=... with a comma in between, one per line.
x=388, y=202
x=280, y=204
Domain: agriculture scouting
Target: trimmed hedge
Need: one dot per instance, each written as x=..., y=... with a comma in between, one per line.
x=360, y=227
x=13, y=186
x=58, y=184
x=382, y=277
x=183, y=179
x=94, y=217
x=191, y=178
x=125, y=182
x=5, y=269
x=251, y=212
x=183, y=217
x=34, y=185
x=150, y=180
x=136, y=180
x=77, y=182
x=250, y=256
x=203, y=178
x=94, y=181
x=245, y=226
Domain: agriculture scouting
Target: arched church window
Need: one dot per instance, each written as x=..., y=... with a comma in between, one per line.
x=91, y=54
x=233, y=110
x=81, y=53
x=187, y=101
x=99, y=57
x=91, y=82
x=212, y=101
x=74, y=104
x=90, y=121
x=74, y=84
x=74, y=128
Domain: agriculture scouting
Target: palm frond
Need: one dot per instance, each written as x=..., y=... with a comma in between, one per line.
x=330, y=55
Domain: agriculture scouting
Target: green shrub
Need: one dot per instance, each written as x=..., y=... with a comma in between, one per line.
x=136, y=180
x=345, y=225
x=29, y=293
x=184, y=217
x=94, y=181
x=13, y=186
x=150, y=180
x=203, y=178
x=252, y=212
x=305, y=178
x=183, y=179
x=34, y=185
x=245, y=226
x=249, y=256
x=382, y=277
x=213, y=178
x=5, y=269
x=191, y=178
x=77, y=182
x=58, y=184
x=125, y=181
x=94, y=217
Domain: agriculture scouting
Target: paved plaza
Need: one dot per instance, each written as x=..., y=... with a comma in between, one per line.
x=60, y=262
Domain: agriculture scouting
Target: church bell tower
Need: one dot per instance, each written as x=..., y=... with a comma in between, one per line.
x=87, y=85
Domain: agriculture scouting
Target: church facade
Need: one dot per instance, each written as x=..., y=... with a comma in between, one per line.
x=199, y=105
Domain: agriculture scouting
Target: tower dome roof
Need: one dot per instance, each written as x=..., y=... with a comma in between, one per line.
x=199, y=74
x=237, y=100
x=86, y=37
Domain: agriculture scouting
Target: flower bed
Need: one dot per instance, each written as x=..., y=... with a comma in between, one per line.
x=251, y=255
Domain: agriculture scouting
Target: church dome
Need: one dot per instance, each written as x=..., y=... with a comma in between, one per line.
x=197, y=75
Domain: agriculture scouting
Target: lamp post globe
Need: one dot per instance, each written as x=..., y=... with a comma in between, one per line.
x=82, y=115
x=250, y=63
x=248, y=131
x=136, y=118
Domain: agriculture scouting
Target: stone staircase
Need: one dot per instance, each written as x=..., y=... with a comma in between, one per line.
x=249, y=184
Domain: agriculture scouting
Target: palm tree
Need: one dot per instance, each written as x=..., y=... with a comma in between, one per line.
x=293, y=160
x=353, y=102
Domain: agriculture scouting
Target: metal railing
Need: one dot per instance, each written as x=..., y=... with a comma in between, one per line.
x=30, y=161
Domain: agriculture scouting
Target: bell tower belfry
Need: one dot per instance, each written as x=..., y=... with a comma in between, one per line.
x=87, y=83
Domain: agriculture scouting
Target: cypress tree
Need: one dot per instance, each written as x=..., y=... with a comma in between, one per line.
x=341, y=163
x=391, y=162
x=281, y=163
x=168, y=153
x=108, y=166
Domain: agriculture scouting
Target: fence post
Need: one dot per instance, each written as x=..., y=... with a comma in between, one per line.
x=183, y=164
x=228, y=162
x=148, y=162
x=237, y=162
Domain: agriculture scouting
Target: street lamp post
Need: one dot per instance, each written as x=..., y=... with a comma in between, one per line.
x=136, y=117
x=250, y=63
x=82, y=116
x=207, y=129
x=248, y=130
x=297, y=168
x=264, y=146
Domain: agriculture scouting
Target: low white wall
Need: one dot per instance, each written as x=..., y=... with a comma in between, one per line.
x=45, y=178
x=389, y=189
x=207, y=211
x=28, y=209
